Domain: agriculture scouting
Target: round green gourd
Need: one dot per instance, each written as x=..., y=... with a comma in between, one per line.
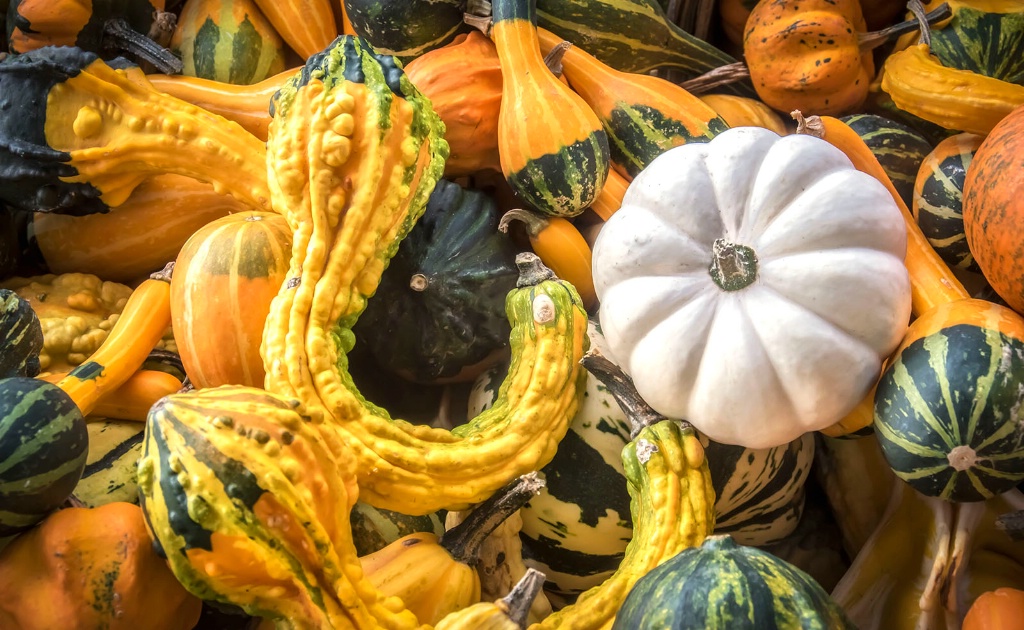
x=440, y=306
x=898, y=148
x=43, y=448
x=947, y=413
x=21, y=336
x=407, y=28
x=728, y=586
x=938, y=199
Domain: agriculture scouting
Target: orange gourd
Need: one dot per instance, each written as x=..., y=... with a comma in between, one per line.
x=463, y=82
x=806, y=55
x=91, y=568
x=993, y=207
x=740, y=111
x=1001, y=609
x=151, y=226
x=307, y=26
x=224, y=280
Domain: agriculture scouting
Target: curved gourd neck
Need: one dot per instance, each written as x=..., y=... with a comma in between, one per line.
x=511, y=11
x=575, y=61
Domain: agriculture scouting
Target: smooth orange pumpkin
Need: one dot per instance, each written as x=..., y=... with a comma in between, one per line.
x=224, y=280
x=91, y=568
x=1001, y=609
x=150, y=228
x=463, y=82
x=993, y=207
x=806, y=55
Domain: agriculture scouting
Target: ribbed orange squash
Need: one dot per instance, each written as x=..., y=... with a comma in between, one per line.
x=994, y=208
x=224, y=280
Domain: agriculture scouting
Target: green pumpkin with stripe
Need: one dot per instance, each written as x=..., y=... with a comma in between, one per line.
x=43, y=448
x=947, y=408
x=939, y=197
x=406, y=28
x=111, y=469
x=228, y=41
x=576, y=529
x=987, y=42
x=21, y=336
x=722, y=584
x=898, y=148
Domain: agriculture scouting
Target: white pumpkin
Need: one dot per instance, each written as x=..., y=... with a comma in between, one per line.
x=753, y=285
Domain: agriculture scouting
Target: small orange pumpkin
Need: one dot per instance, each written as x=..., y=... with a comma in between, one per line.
x=806, y=55
x=1001, y=609
x=91, y=568
x=224, y=280
x=993, y=207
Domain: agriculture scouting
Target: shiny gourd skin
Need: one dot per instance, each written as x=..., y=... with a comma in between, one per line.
x=33, y=24
x=554, y=150
x=806, y=55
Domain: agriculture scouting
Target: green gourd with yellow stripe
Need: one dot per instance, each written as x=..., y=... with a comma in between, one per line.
x=228, y=41
x=111, y=469
x=898, y=148
x=554, y=151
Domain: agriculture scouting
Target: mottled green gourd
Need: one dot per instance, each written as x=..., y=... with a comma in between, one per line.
x=21, y=336
x=721, y=584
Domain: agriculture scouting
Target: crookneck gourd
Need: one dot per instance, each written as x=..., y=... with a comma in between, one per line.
x=79, y=135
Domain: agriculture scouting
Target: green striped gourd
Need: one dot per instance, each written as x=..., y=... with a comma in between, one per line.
x=985, y=42
x=375, y=528
x=722, y=584
x=634, y=36
x=111, y=469
x=228, y=41
x=946, y=412
x=43, y=448
x=21, y=336
x=898, y=148
x=577, y=528
x=939, y=197
x=406, y=28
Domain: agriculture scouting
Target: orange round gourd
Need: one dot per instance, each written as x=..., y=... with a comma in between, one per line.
x=1001, y=609
x=993, y=208
x=224, y=279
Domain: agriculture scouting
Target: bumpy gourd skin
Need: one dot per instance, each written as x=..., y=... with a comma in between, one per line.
x=352, y=164
x=672, y=507
x=103, y=130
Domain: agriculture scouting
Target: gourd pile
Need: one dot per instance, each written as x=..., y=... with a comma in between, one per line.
x=548, y=314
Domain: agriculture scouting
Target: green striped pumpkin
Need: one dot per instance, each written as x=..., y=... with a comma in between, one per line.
x=946, y=413
x=634, y=36
x=576, y=530
x=938, y=198
x=407, y=28
x=722, y=584
x=111, y=470
x=228, y=41
x=43, y=449
x=899, y=149
x=21, y=336
x=987, y=43
x=375, y=528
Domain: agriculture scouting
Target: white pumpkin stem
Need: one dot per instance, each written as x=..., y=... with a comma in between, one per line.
x=733, y=266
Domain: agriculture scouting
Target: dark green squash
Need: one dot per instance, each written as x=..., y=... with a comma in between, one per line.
x=21, y=336
x=43, y=447
x=407, y=28
x=946, y=413
x=722, y=584
x=440, y=306
x=898, y=148
x=939, y=198
x=991, y=44
x=634, y=36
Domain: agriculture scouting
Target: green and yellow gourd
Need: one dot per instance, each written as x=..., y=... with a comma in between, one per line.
x=104, y=130
x=643, y=115
x=111, y=468
x=230, y=42
x=249, y=491
x=553, y=148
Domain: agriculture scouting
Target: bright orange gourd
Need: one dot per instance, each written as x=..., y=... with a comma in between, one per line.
x=1001, y=609
x=224, y=280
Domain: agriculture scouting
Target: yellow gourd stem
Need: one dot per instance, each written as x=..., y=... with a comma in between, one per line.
x=931, y=281
x=140, y=326
x=609, y=200
x=133, y=399
x=561, y=248
x=955, y=99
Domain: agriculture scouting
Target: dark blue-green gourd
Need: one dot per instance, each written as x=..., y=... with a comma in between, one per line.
x=21, y=336
x=722, y=585
x=898, y=148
